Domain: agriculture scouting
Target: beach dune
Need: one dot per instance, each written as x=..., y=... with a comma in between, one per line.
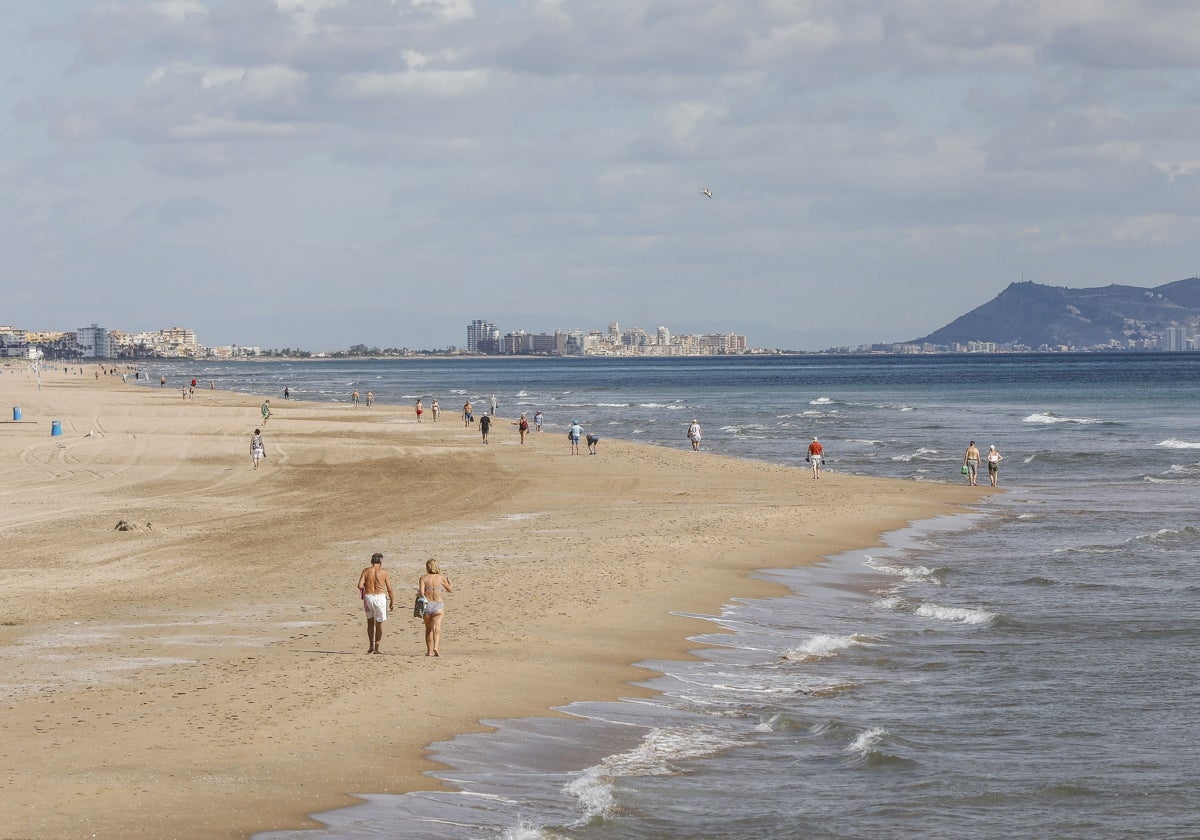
x=203, y=673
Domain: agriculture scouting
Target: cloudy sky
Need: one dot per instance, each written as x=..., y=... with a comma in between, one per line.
x=320, y=173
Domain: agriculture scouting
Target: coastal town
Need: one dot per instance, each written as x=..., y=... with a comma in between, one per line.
x=1024, y=318
x=483, y=338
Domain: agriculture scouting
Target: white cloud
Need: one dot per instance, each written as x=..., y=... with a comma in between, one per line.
x=525, y=141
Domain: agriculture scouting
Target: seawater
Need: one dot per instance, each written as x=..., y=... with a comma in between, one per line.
x=1027, y=669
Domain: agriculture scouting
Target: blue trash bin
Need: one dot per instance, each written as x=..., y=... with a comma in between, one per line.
x=55, y=428
x=16, y=412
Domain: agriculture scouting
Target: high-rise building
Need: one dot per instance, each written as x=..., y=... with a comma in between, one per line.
x=483, y=337
x=95, y=342
x=1174, y=340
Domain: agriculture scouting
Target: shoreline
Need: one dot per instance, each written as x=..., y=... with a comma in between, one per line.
x=238, y=701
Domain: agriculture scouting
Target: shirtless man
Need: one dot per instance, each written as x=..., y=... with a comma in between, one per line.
x=467, y=413
x=376, y=590
x=971, y=459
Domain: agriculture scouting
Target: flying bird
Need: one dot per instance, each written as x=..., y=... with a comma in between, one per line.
x=706, y=192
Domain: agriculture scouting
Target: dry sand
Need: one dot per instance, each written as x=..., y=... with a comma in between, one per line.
x=205, y=675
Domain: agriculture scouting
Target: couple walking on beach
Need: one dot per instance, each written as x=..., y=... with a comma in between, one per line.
x=375, y=589
x=971, y=464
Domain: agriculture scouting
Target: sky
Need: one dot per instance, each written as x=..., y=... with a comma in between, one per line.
x=323, y=173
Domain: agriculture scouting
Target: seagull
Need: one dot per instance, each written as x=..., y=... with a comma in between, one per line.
x=706, y=192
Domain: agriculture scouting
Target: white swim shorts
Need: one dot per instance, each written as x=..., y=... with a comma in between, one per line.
x=377, y=606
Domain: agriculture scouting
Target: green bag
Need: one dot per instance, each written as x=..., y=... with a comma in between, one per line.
x=965, y=470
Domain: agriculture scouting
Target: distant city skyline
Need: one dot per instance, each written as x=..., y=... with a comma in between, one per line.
x=486, y=338
x=322, y=172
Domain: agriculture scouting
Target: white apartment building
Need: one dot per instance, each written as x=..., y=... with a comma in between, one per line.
x=95, y=342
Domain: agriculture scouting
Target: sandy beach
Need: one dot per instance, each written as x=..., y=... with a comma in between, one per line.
x=204, y=675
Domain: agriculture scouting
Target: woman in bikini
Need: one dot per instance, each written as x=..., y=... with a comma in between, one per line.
x=431, y=586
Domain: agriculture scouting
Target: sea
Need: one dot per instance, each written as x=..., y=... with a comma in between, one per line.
x=1027, y=669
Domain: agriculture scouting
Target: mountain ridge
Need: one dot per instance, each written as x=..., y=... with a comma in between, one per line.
x=1032, y=315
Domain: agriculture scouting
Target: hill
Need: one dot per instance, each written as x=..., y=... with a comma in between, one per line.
x=1039, y=316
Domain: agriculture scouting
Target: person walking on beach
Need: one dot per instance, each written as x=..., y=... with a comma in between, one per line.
x=376, y=590
x=971, y=460
x=467, y=416
x=816, y=457
x=257, y=450
x=694, y=435
x=435, y=409
x=522, y=428
x=432, y=585
x=537, y=420
x=354, y=398
x=162, y=382
x=370, y=398
x=265, y=411
x=420, y=410
x=286, y=392
x=993, y=461
x=574, y=434
x=485, y=426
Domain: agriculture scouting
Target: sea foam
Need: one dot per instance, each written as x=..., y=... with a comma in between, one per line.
x=654, y=756
x=962, y=615
x=825, y=645
x=1172, y=443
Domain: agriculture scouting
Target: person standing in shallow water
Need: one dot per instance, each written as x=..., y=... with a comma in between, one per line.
x=971, y=460
x=376, y=590
x=432, y=585
x=993, y=461
x=694, y=435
